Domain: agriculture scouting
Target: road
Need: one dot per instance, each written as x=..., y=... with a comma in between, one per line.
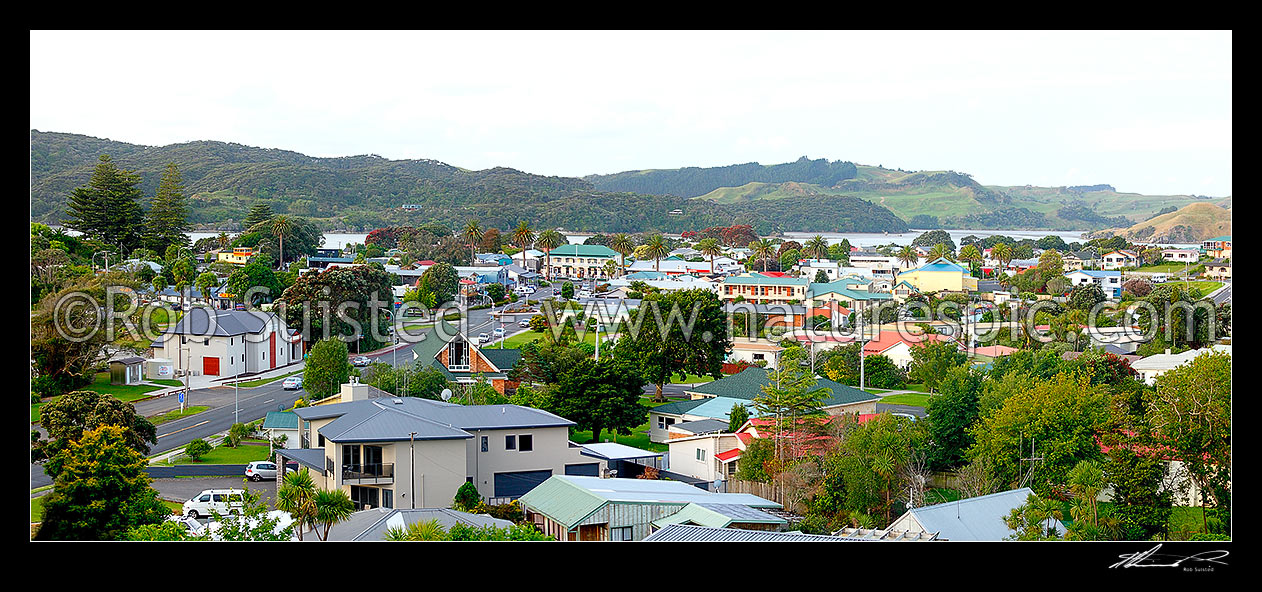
x=255, y=403
x=1224, y=295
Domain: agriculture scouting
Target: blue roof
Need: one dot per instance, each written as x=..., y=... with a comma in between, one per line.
x=839, y=287
x=940, y=264
x=311, y=260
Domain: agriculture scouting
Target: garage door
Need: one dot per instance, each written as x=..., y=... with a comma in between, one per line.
x=517, y=484
x=584, y=470
x=210, y=366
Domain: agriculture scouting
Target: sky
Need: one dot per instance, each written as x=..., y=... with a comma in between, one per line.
x=1147, y=112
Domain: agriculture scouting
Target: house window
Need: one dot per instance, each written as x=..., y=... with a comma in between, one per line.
x=510, y=442
x=759, y=357
x=485, y=443
x=700, y=454
x=620, y=534
x=661, y=422
x=321, y=441
x=525, y=443
x=387, y=498
x=458, y=355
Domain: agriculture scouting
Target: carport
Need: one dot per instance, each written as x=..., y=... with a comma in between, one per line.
x=628, y=461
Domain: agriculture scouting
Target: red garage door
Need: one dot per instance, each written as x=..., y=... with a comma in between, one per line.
x=210, y=366
x=271, y=344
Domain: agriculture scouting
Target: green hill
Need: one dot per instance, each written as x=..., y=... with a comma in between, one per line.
x=1190, y=224
x=363, y=192
x=696, y=181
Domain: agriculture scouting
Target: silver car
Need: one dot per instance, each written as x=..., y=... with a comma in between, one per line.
x=260, y=470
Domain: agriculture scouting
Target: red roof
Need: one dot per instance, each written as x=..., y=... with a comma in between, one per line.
x=774, y=273
x=888, y=339
x=425, y=262
x=745, y=438
x=866, y=417
x=728, y=454
x=995, y=351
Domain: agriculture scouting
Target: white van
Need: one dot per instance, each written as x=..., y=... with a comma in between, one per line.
x=224, y=502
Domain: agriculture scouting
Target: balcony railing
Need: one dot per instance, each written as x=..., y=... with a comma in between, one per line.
x=381, y=473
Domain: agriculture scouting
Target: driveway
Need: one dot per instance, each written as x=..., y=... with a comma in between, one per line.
x=180, y=490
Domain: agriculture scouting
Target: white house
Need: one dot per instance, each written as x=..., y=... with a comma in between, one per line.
x=1109, y=281
x=1120, y=259
x=1153, y=366
x=1181, y=255
x=229, y=343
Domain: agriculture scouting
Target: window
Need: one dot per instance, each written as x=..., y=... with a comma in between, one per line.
x=525, y=443
x=204, y=498
x=759, y=357
x=387, y=498
x=485, y=445
x=510, y=442
x=620, y=534
x=700, y=454
x=321, y=442
x=661, y=422
x=458, y=354
x=350, y=454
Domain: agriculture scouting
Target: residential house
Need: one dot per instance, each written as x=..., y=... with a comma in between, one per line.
x=229, y=342
x=1155, y=365
x=1109, y=281
x=582, y=261
x=788, y=317
x=1218, y=247
x=573, y=508
x=764, y=289
x=691, y=533
x=754, y=351
x=1181, y=255
x=321, y=262
x=896, y=345
x=1120, y=259
x=282, y=423
x=1116, y=340
x=400, y=452
x=663, y=417
x=238, y=255
x=721, y=515
x=882, y=266
x=939, y=275
x=1218, y=270
x=1079, y=260
x=448, y=349
x=809, y=268
x=970, y=519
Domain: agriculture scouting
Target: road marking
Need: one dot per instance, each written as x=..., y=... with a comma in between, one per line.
x=269, y=400
x=182, y=429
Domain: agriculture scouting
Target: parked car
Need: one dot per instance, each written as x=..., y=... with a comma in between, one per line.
x=260, y=470
x=292, y=383
x=525, y=290
x=585, y=294
x=524, y=323
x=194, y=527
x=221, y=501
x=361, y=361
x=483, y=338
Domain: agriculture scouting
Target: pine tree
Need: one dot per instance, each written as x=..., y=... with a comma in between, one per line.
x=167, y=220
x=108, y=208
x=259, y=212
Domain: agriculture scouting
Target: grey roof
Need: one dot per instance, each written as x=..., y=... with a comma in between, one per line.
x=226, y=322
x=615, y=451
x=679, y=533
x=312, y=457
x=703, y=426
x=739, y=513
x=972, y=519
x=389, y=419
x=129, y=361
x=372, y=525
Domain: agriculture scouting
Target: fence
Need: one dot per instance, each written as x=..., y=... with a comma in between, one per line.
x=791, y=498
x=945, y=479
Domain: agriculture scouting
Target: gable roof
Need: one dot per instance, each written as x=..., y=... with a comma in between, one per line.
x=281, y=420
x=887, y=339
x=504, y=359
x=939, y=264
x=679, y=533
x=718, y=515
x=748, y=384
x=569, y=499
x=372, y=525
x=972, y=519
x=223, y=323
x=840, y=287
x=584, y=251
x=391, y=419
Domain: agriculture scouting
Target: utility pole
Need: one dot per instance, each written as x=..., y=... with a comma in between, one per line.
x=412, y=468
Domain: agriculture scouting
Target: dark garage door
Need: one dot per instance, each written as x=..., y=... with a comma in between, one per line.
x=517, y=484
x=585, y=470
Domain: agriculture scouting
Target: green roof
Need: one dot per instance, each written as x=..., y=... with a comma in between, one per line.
x=281, y=420
x=584, y=251
x=504, y=359
x=839, y=287
x=748, y=384
x=678, y=407
x=1226, y=237
x=718, y=516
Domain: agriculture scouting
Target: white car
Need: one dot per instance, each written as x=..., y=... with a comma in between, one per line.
x=292, y=383
x=483, y=338
x=215, y=501
x=361, y=361
x=498, y=332
x=524, y=323
x=525, y=290
x=585, y=294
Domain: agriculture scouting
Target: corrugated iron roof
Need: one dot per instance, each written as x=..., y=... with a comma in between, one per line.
x=681, y=533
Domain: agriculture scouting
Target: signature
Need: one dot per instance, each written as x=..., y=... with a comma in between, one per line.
x=1151, y=558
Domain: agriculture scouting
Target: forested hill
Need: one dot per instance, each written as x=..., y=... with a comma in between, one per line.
x=695, y=181
x=223, y=180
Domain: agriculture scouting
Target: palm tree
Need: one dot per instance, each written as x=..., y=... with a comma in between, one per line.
x=1002, y=252
x=623, y=245
x=523, y=237
x=282, y=225
x=817, y=247
x=296, y=495
x=711, y=248
x=971, y=254
x=762, y=249
x=428, y=530
x=941, y=251
x=473, y=235
x=222, y=239
x=1050, y=510
x=331, y=507
x=657, y=249
x=907, y=255
x=548, y=240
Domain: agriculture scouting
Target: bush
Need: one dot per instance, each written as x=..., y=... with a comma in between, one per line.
x=467, y=498
x=197, y=449
x=236, y=433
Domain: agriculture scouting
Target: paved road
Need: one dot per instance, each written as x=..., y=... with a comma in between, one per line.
x=1224, y=295
x=184, y=489
x=255, y=403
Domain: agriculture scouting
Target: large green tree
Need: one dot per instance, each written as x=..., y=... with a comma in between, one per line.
x=257, y=280
x=878, y=370
x=442, y=281
x=930, y=361
x=678, y=333
x=791, y=394
x=108, y=207
x=339, y=302
x=259, y=213
x=102, y=490
x=600, y=395
x=327, y=368
x=167, y=220
x=67, y=418
x=951, y=413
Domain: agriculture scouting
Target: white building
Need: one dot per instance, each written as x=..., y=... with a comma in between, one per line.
x=229, y=343
x=1153, y=366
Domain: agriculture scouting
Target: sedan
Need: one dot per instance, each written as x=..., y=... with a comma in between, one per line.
x=524, y=323
x=361, y=361
x=292, y=383
x=498, y=332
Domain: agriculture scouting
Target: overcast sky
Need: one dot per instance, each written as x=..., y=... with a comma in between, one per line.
x=1146, y=112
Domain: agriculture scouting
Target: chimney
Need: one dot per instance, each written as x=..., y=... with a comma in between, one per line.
x=354, y=391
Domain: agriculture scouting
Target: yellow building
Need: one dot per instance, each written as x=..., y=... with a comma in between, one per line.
x=939, y=275
x=238, y=256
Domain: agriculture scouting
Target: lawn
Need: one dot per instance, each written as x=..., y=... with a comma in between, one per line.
x=263, y=381
x=176, y=507
x=906, y=399
x=918, y=387
x=223, y=455
x=37, y=508
x=167, y=382
x=519, y=339
x=177, y=414
x=639, y=437
x=690, y=379
x=1164, y=268
x=123, y=393
x=940, y=495
x=1205, y=286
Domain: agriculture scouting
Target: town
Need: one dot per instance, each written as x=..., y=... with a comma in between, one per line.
x=519, y=385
